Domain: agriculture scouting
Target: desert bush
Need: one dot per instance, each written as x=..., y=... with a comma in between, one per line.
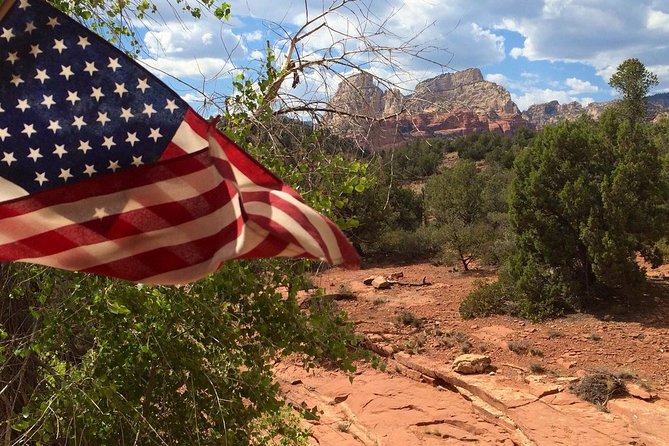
x=598, y=388
x=487, y=299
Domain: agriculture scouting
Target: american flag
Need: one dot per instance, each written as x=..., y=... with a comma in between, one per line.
x=104, y=169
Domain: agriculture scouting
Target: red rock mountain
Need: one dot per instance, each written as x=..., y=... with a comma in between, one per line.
x=451, y=104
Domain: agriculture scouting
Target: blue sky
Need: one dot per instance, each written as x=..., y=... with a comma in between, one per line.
x=539, y=50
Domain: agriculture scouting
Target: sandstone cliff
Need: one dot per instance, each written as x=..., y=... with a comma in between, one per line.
x=450, y=104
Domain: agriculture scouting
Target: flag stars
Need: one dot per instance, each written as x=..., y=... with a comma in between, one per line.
x=113, y=166
x=96, y=92
x=24, y=4
x=132, y=138
x=84, y=146
x=137, y=161
x=65, y=174
x=78, y=122
x=113, y=64
x=126, y=114
x=29, y=129
x=142, y=84
x=72, y=96
x=103, y=118
x=54, y=126
x=41, y=178
x=7, y=33
x=41, y=75
x=155, y=134
x=90, y=68
x=4, y=134
x=9, y=158
x=59, y=45
x=83, y=42
x=34, y=154
x=23, y=105
x=48, y=101
x=171, y=105
x=109, y=142
x=66, y=71
x=120, y=89
x=16, y=80
x=100, y=213
x=12, y=57
x=59, y=149
x=35, y=50
x=149, y=110
x=30, y=27
x=53, y=22
x=90, y=170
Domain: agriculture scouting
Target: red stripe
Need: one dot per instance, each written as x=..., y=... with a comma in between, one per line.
x=108, y=184
x=173, y=258
x=114, y=227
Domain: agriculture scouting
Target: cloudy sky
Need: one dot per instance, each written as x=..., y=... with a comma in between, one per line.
x=539, y=50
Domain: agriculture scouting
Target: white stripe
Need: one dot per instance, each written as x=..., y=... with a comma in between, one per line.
x=89, y=256
x=57, y=216
x=189, y=141
x=10, y=191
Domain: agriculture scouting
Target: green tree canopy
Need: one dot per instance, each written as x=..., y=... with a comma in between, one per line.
x=633, y=81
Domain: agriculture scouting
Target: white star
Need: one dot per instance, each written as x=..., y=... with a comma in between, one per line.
x=113, y=64
x=120, y=89
x=53, y=22
x=23, y=4
x=23, y=105
x=72, y=96
x=100, y=213
x=126, y=114
x=90, y=170
x=12, y=57
x=171, y=105
x=34, y=154
x=149, y=110
x=41, y=75
x=84, y=146
x=29, y=129
x=4, y=134
x=78, y=122
x=83, y=42
x=109, y=142
x=34, y=50
x=59, y=149
x=155, y=134
x=65, y=174
x=41, y=178
x=142, y=84
x=97, y=93
x=16, y=80
x=102, y=118
x=66, y=72
x=9, y=158
x=30, y=27
x=132, y=138
x=90, y=68
x=48, y=101
x=59, y=45
x=1, y=109
x=7, y=33
x=113, y=166
x=54, y=126
x=137, y=161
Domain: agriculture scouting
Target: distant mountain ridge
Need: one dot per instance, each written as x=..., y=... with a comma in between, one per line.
x=451, y=104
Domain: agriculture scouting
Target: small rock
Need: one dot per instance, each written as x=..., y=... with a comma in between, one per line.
x=397, y=275
x=474, y=327
x=380, y=283
x=470, y=364
x=637, y=392
x=368, y=280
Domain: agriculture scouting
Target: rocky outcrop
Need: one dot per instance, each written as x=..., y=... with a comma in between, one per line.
x=450, y=104
x=541, y=115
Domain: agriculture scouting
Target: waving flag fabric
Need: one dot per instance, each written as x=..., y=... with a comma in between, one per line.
x=104, y=169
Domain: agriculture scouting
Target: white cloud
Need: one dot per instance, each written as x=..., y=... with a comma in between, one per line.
x=206, y=68
x=498, y=78
x=253, y=36
x=579, y=86
x=658, y=20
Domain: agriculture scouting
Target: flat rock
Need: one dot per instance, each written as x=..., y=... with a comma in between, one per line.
x=469, y=364
x=380, y=283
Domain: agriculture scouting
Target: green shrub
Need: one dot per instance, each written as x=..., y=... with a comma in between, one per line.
x=487, y=299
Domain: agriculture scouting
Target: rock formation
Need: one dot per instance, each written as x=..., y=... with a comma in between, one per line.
x=451, y=104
